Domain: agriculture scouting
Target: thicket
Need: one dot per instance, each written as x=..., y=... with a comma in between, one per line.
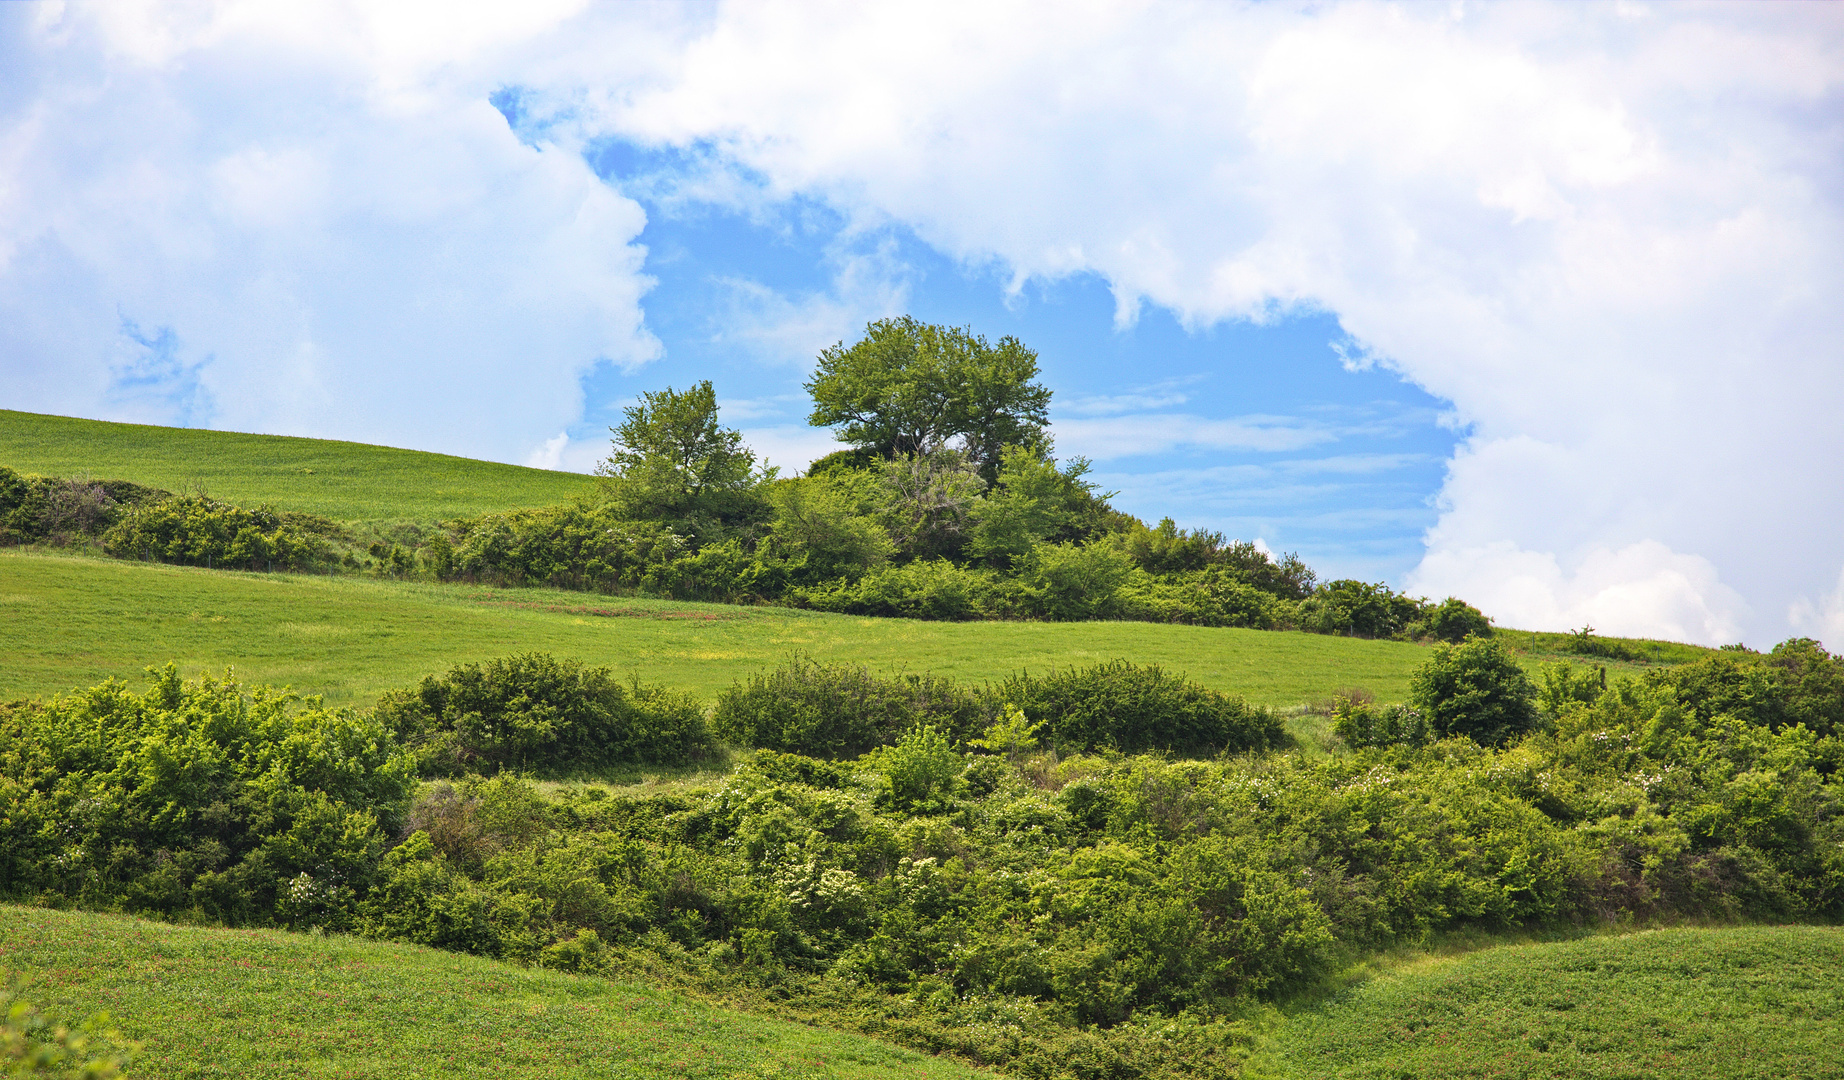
x=44, y=509
x=537, y=713
x=1047, y=913
x=843, y=710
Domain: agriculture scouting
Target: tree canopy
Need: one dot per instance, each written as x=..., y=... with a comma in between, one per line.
x=673, y=462
x=909, y=387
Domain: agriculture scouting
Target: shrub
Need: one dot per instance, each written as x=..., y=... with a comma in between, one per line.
x=1475, y=689
x=1066, y=582
x=1357, y=609
x=925, y=589
x=1361, y=724
x=1453, y=621
x=836, y=710
x=536, y=711
x=1124, y=706
x=44, y=508
x=920, y=773
x=196, y=530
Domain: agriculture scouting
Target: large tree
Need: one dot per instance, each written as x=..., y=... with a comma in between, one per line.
x=673, y=462
x=909, y=387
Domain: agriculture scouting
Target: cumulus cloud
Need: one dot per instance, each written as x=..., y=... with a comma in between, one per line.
x=266, y=220
x=1609, y=234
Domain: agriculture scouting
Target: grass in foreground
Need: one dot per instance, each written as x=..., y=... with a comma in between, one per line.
x=1696, y=1004
x=340, y=480
x=68, y=621
x=264, y=1003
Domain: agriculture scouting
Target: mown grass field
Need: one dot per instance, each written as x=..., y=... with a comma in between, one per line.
x=1698, y=1004
x=265, y=1003
x=340, y=480
x=71, y=621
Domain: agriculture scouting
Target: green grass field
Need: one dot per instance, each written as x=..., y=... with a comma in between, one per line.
x=70, y=621
x=264, y=1003
x=340, y=480
x=1684, y=1004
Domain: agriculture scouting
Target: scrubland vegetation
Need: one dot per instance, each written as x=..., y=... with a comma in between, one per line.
x=1001, y=873
x=1065, y=807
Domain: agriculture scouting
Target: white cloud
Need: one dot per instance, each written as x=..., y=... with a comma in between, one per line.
x=319, y=216
x=1613, y=243
x=1823, y=620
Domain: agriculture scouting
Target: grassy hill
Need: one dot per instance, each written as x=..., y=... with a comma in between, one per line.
x=68, y=621
x=264, y=1003
x=340, y=480
x=1695, y=1004
x=1722, y=1004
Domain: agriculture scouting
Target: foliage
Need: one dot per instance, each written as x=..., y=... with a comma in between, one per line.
x=537, y=712
x=43, y=508
x=197, y=800
x=824, y=529
x=835, y=710
x=930, y=502
x=1358, y=609
x=672, y=463
x=909, y=387
x=1033, y=503
x=196, y=530
x=1119, y=705
x=1475, y=689
x=1452, y=620
x=1362, y=724
x=34, y=1044
x=1049, y=915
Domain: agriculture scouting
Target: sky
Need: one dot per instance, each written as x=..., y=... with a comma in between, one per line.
x=1533, y=304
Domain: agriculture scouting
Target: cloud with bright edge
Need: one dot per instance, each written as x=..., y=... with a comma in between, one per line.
x=1608, y=234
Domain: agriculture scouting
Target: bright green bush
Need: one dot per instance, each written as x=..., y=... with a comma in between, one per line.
x=1357, y=609
x=1119, y=705
x=1475, y=689
x=36, y=509
x=195, y=530
x=538, y=712
x=1452, y=620
x=836, y=710
x=1364, y=725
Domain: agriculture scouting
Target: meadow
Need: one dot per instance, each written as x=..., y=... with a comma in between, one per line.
x=344, y=481
x=265, y=1003
x=69, y=621
x=1735, y=1003
x=1743, y=1002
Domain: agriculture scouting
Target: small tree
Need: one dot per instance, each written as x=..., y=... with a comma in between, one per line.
x=1475, y=689
x=673, y=463
x=910, y=387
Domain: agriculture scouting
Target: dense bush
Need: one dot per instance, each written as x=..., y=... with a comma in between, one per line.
x=1452, y=620
x=1129, y=707
x=837, y=710
x=1475, y=689
x=1358, y=609
x=36, y=509
x=1364, y=724
x=196, y=530
x=196, y=801
x=537, y=712
x=1045, y=914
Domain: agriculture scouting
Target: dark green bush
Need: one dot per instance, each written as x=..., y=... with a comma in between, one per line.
x=1129, y=707
x=1357, y=609
x=538, y=712
x=1452, y=621
x=837, y=710
x=1475, y=689
x=35, y=509
x=196, y=530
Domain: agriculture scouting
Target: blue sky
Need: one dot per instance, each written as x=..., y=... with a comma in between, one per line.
x=1533, y=304
x=1350, y=459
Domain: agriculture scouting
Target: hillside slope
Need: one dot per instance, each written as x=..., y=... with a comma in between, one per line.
x=263, y=1003
x=68, y=621
x=1683, y=1004
x=341, y=480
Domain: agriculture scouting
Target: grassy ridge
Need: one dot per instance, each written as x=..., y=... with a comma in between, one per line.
x=1694, y=1004
x=69, y=621
x=264, y=1003
x=341, y=480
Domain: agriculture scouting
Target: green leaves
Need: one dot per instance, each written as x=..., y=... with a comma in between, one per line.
x=909, y=387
